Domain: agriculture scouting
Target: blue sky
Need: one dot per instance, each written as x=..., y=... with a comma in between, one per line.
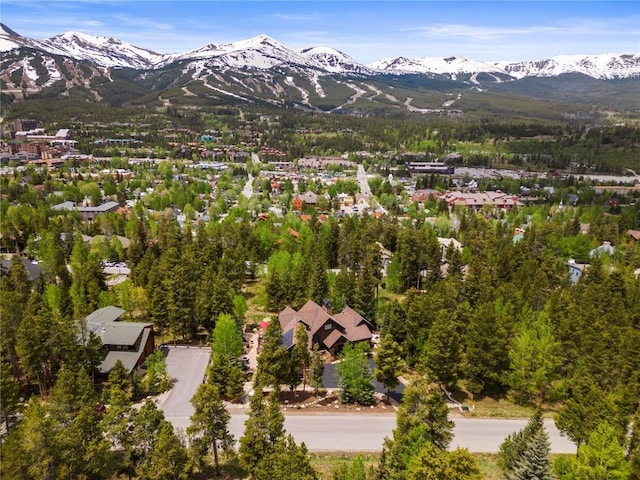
x=366, y=30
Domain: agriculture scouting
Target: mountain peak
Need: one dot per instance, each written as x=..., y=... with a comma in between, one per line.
x=263, y=52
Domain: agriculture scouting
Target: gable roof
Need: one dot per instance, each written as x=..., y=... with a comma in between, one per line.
x=103, y=323
x=349, y=324
x=32, y=269
x=128, y=358
x=105, y=314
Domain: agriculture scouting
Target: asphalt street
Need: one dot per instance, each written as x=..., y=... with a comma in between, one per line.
x=366, y=432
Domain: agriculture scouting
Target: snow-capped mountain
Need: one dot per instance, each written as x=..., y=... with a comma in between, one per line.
x=449, y=65
x=334, y=61
x=103, y=51
x=260, y=52
x=605, y=66
x=261, y=70
x=10, y=40
x=263, y=52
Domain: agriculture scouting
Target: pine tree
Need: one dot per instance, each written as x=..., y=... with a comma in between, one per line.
x=354, y=376
x=515, y=445
x=299, y=357
x=535, y=463
x=287, y=461
x=9, y=393
x=422, y=419
x=316, y=369
x=263, y=429
x=225, y=374
x=273, y=361
x=389, y=363
x=602, y=457
x=365, y=297
x=168, y=458
x=441, y=353
x=210, y=421
x=352, y=470
x=318, y=282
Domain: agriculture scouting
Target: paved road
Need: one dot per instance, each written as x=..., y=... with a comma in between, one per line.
x=187, y=367
x=247, y=191
x=333, y=432
x=366, y=432
x=361, y=177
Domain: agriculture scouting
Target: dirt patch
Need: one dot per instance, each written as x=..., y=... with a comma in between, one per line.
x=308, y=402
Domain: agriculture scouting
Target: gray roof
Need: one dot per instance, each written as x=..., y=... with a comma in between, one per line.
x=33, y=270
x=105, y=207
x=103, y=323
x=129, y=359
x=118, y=333
x=64, y=206
x=106, y=314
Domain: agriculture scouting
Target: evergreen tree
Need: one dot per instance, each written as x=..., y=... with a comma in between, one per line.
x=431, y=463
x=287, y=461
x=38, y=343
x=389, y=363
x=210, y=422
x=15, y=288
x=354, y=376
x=345, y=287
x=316, y=369
x=534, y=462
x=421, y=420
x=87, y=280
x=168, y=458
x=225, y=374
x=299, y=357
x=352, y=470
x=585, y=408
x=9, y=393
x=515, y=445
x=441, y=353
x=318, y=283
x=486, y=345
x=264, y=428
x=601, y=457
x=273, y=361
x=147, y=422
x=365, y=297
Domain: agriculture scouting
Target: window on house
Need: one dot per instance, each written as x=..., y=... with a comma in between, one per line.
x=328, y=326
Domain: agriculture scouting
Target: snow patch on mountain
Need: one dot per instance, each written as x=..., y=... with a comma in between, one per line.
x=448, y=65
x=104, y=51
x=604, y=66
x=264, y=53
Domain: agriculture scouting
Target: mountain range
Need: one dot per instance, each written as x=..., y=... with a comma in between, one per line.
x=261, y=69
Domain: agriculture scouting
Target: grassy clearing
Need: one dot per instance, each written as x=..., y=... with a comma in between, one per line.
x=327, y=463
